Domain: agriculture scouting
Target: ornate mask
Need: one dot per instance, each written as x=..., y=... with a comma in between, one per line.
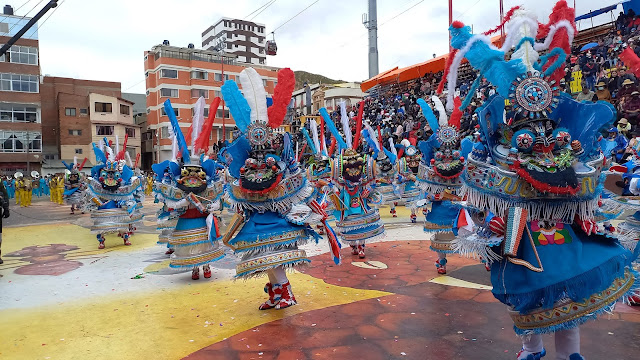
x=192, y=179
x=352, y=165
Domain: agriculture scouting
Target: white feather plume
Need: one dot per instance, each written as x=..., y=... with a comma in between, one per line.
x=373, y=135
x=174, y=144
x=393, y=147
x=117, y=148
x=314, y=134
x=75, y=162
x=405, y=143
x=346, y=129
x=110, y=155
x=442, y=114
x=524, y=24
x=129, y=162
x=253, y=91
x=198, y=119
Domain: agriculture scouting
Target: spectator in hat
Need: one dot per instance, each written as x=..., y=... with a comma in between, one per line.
x=602, y=93
x=624, y=127
x=629, y=107
x=626, y=88
x=624, y=75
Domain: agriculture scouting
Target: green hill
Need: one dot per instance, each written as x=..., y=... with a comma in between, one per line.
x=303, y=76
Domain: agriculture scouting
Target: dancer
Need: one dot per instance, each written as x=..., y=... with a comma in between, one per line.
x=443, y=161
x=553, y=268
x=387, y=174
x=35, y=184
x=10, y=185
x=191, y=193
x=113, y=195
x=4, y=212
x=269, y=192
x=407, y=171
x=74, y=184
x=354, y=175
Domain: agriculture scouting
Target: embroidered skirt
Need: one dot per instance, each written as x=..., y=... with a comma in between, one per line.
x=114, y=220
x=191, y=244
x=356, y=229
x=267, y=241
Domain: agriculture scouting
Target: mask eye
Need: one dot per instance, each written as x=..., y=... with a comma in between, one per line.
x=116, y=175
x=184, y=172
x=202, y=175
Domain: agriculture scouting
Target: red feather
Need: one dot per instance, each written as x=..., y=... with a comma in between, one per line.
x=202, y=142
x=457, y=24
x=332, y=147
x=380, y=138
x=452, y=54
x=631, y=60
x=561, y=11
x=356, y=139
x=456, y=115
x=82, y=165
x=304, y=147
x=505, y=19
x=281, y=97
x=120, y=155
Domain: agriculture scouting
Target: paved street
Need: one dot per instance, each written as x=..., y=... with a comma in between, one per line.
x=62, y=298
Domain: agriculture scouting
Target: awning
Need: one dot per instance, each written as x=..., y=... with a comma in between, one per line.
x=599, y=11
x=414, y=71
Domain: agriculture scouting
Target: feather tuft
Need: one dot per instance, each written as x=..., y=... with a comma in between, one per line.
x=442, y=114
x=428, y=114
x=334, y=131
x=202, y=142
x=456, y=115
x=356, y=140
x=314, y=131
x=238, y=105
x=177, y=132
x=254, y=93
x=281, y=97
x=346, y=129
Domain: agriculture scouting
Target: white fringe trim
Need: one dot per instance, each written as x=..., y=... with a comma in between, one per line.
x=475, y=247
x=282, y=206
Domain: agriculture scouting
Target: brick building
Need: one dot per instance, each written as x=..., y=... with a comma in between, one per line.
x=183, y=75
x=20, y=109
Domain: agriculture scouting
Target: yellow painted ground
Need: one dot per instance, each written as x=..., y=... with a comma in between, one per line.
x=163, y=324
x=451, y=281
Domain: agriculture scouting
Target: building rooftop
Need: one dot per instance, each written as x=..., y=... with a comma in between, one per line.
x=184, y=53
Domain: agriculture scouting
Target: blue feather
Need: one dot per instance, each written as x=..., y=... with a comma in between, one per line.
x=372, y=143
x=182, y=143
x=332, y=128
x=100, y=156
x=69, y=167
x=309, y=141
x=392, y=157
x=238, y=105
x=466, y=145
x=428, y=114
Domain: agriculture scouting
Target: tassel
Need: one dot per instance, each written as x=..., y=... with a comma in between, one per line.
x=281, y=97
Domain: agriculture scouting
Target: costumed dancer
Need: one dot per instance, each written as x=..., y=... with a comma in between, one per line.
x=44, y=186
x=24, y=186
x=407, y=170
x=113, y=196
x=148, y=190
x=269, y=191
x=319, y=172
x=59, y=198
x=4, y=211
x=74, y=184
x=192, y=192
x=166, y=217
x=10, y=185
x=438, y=177
x=552, y=267
x=387, y=174
x=35, y=184
x=354, y=175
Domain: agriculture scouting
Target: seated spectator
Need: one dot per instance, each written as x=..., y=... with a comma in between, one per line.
x=624, y=127
x=624, y=75
x=626, y=88
x=602, y=92
x=586, y=94
x=629, y=107
x=612, y=84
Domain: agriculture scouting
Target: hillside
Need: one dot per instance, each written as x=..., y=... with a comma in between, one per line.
x=303, y=76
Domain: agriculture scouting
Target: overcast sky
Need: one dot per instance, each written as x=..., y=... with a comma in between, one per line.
x=106, y=40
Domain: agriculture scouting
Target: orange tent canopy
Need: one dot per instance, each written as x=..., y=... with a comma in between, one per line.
x=414, y=71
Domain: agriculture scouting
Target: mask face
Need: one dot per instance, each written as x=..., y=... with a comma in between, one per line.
x=352, y=166
x=74, y=178
x=260, y=174
x=110, y=179
x=385, y=166
x=413, y=162
x=192, y=179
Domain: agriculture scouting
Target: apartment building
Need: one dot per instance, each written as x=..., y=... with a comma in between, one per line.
x=20, y=107
x=242, y=38
x=183, y=75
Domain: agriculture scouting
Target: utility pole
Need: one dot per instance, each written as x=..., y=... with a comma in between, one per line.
x=220, y=47
x=370, y=22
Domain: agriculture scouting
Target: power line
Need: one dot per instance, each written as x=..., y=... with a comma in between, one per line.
x=24, y=16
x=47, y=18
x=260, y=12
x=469, y=8
x=283, y=24
x=16, y=10
x=261, y=7
x=134, y=84
x=414, y=5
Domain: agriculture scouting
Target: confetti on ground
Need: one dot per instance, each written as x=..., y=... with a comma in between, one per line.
x=139, y=276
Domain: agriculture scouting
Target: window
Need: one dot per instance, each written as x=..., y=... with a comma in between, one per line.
x=196, y=93
x=164, y=132
x=104, y=130
x=206, y=112
x=75, y=132
x=217, y=93
x=103, y=107
x=219, y=113
x=175, y=111
x=173, y=93
x=84, y=111
x=78, y=151
x=169, y=73
x=16, y=141
x=124, y=109
x=70, y=111
x=146, y=136
x=202, y=75
x=21, y=83
x=18, y=113
x=131, y=132
x=218, y=77
x=21, y=55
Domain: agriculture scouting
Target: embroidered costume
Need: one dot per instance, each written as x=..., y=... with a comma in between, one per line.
x=354, y=176
x=407, y=170
x=438, y=178
x=113, y=195
x=190, y=194
x=24, y=186
x=74, y=184
x=387, y=175
x=269, y=192
x=541, y=176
